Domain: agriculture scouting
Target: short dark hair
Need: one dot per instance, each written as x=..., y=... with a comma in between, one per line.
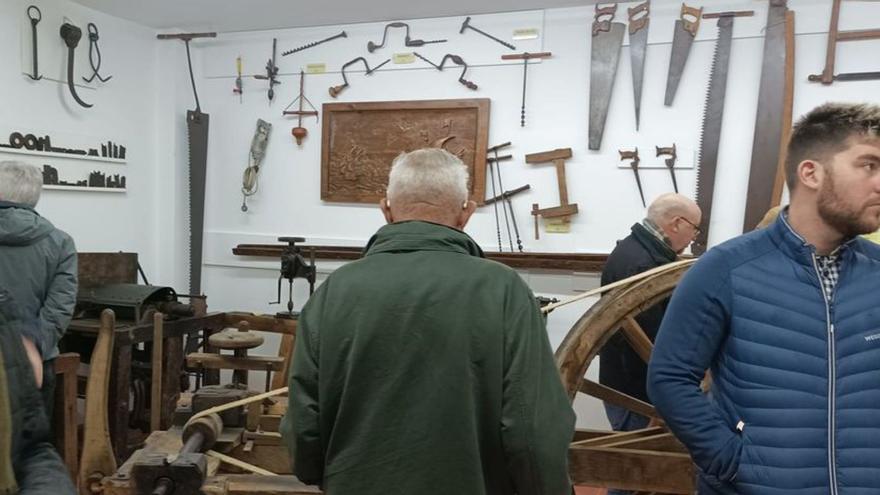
x=824, y=132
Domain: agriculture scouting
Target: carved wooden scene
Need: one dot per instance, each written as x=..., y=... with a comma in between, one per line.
x=360, y=140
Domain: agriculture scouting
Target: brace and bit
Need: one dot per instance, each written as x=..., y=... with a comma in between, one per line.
x=71, y=36
x=35, y=15
x=456, y=60
x=95, y=53
x=271, y=72
x=467, y=25
x=371, y=47
x=335, y=90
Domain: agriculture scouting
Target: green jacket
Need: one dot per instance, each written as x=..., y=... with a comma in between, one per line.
x=425, y=369
x=29, y=464
x=38, y=267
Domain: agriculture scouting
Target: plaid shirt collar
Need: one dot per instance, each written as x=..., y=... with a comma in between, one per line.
x=827, y=266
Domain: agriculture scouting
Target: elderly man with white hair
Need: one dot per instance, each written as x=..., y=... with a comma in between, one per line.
x=669, y=226
x=37, y=268
x=424, y=368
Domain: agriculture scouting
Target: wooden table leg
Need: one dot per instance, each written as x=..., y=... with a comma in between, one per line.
x=172, y=366
x=65, y=410
x=120, y=384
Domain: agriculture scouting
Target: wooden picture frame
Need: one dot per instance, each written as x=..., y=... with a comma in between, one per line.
x=360, y=140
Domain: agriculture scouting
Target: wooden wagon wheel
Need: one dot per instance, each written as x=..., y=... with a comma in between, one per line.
x=651, y=459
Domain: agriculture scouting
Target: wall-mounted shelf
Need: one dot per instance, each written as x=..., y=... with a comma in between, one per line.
x=89, y=158
x=85, y=188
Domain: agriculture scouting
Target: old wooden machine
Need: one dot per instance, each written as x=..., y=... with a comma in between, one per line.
x=222, y=438
x=108, y=281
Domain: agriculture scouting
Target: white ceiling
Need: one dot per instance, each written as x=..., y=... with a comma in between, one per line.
x=248, y=15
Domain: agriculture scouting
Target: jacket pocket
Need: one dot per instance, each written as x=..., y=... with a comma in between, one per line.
x=750, y=470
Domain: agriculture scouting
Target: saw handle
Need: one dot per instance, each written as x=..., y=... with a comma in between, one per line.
x=667, y=151
x=691, y=26
x=637, y=24
x=630, y=155
x=603, y=25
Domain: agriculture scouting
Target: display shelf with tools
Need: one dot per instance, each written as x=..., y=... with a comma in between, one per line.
x=71, y=156
x=85, y=188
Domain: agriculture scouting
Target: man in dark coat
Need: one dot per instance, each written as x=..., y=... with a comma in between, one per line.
x=424, y=368
x=670, y=225
x=29, y=464
x=37, y=266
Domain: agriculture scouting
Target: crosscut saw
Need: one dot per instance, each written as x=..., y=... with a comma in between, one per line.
x=712, y=116
x=197, y=131
x=682, y=39
x=604, y=55
x=768, y=126
x=638, y=47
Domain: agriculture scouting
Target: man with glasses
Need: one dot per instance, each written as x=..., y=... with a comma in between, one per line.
x=787, y=320
x=670, y=225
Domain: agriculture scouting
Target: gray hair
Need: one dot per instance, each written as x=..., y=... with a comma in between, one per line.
x=668, y=206
x=429, y=175
x=20, y=183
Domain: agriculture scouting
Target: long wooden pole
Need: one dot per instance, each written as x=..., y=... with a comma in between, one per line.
x=606, y=288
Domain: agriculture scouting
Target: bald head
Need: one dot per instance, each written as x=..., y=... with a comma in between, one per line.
x=430, y=185
x=678, y=217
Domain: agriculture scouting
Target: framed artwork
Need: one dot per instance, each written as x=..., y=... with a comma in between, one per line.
x=360, y=140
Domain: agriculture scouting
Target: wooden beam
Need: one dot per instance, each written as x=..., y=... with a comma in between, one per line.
x=263, y=323
x=252, y=484
x=637, y=338
x=629, y=469
x=620, y=399
x=576, y=262
x=224, y=362
x=664, y=442
x=618, y=436
x=156, y=379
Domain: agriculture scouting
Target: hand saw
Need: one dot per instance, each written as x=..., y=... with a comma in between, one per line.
x=768, y=126
x=197, y=130
x=604, y=55
x=712, y=116
x=638, y=46
x=682, y=39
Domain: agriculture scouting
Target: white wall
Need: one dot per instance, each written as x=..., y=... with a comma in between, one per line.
x=288, y=202
x=126, y=110
x=144, y=106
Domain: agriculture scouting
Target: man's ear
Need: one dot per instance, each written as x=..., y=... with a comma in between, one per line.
x=467, y=209
x=810, y=174
x=385, y=206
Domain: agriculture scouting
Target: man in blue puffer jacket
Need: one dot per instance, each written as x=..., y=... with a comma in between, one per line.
x=787, y=319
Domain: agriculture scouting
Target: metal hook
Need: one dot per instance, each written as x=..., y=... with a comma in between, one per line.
x=95, y=52
x=71, y=36
x=35, y=15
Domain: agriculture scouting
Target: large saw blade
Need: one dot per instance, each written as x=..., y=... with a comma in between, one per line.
x=605, y=54
x=768, y=126
x=197, y=130
x=711, y=134
x=682, y=39
x=638, y=47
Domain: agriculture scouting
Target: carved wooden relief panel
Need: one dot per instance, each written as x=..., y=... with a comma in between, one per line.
x=360, y=140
